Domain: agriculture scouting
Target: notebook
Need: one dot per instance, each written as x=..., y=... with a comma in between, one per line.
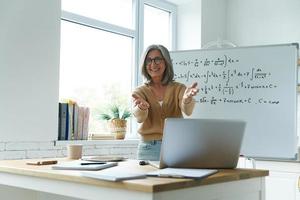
x=183, y=173
x=201, y=143
x=112, y=175
x=77, y=165
x=103, y=158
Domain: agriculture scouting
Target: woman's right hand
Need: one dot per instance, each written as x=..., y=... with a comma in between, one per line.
x=140, y=102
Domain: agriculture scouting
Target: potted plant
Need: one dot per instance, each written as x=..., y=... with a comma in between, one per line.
x=117, y=120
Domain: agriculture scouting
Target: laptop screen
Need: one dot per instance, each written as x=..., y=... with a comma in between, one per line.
x=201, y=143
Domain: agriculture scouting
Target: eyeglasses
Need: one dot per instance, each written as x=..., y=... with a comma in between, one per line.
x=157, y=60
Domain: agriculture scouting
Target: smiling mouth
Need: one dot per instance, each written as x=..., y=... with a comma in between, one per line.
x=155, y=70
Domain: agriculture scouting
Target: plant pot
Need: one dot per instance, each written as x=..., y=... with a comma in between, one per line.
x=118, y=128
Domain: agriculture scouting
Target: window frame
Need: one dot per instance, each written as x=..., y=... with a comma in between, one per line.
x=162, y=5
x=136, y=33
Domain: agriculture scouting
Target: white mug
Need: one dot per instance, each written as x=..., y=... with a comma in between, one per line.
x=74, y=151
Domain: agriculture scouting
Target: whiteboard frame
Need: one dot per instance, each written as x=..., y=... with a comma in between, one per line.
x=291, y=156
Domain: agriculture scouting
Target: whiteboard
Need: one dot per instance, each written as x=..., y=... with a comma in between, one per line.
x=256, y=84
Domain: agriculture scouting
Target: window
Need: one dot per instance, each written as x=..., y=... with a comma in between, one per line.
x=118, y=12
x=100, y=50
x=157, y=27
x=90, y=63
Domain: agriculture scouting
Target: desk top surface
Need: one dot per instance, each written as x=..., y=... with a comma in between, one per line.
x=149, y=184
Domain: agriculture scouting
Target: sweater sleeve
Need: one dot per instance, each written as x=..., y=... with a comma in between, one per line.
x=139, y=114
x=186, y=108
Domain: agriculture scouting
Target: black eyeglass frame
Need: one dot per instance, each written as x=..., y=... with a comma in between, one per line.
x=157, y=60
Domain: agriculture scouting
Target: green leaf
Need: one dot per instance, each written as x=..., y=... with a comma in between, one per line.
x=115, y=112
x=104, y=116
x=126, y=114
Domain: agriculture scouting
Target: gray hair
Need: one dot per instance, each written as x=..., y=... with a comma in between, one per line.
x=168, y=75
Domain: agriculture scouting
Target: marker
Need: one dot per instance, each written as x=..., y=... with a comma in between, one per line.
x=93, y=163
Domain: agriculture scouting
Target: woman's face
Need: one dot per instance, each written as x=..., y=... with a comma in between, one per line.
x=155, y=64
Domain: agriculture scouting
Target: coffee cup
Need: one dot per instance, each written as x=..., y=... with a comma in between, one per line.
x=74, y=151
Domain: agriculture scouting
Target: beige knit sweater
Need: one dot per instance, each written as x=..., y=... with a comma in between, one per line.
x=152, y=120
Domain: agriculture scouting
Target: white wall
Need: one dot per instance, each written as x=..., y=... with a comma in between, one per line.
x=200, y=22
x=189, y=25
x=245, y=23
x=214, y=20
x=260, y=22
x=29, y=69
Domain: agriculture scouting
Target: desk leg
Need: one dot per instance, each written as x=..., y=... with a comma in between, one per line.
x=263, y=189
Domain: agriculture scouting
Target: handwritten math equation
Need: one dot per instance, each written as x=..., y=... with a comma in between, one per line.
x=207, y=76
x=248, y=100
x=226, y=85
x=230, y=90
x=220, y=61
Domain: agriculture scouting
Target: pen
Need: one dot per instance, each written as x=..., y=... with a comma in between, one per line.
x=44, y=162
x=93, y=163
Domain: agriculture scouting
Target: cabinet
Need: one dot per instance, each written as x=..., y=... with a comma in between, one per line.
x=281, y=185
x=283, y=179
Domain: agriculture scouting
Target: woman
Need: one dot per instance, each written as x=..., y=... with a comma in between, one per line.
x=160, y=97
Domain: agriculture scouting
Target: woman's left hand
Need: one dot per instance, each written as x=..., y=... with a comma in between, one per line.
x=190, y=92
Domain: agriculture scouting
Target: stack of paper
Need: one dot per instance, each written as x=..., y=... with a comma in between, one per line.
x=103, y=158
x=78, y=165
x=183, y=173
x=113, y=175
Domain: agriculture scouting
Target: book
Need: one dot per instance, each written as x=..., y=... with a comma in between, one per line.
x=80, y=122
x=85, y=126
x=59, y=123
x=113, y=175
x=94, y=136
x=75, y=120
x=70, y=135
x=77, y=165
x=63, y=121
x=182, y=173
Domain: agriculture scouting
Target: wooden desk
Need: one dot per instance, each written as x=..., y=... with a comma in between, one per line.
x=41, y=182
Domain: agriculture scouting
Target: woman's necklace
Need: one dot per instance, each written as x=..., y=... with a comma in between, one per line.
x=159, y=92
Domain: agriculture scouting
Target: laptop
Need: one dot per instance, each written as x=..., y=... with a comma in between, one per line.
x=201, y=143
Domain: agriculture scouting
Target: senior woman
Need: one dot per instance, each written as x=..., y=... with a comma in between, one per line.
x=158, y=98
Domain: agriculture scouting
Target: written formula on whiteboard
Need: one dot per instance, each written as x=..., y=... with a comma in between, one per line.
x=222, y=77
x=207, y=62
